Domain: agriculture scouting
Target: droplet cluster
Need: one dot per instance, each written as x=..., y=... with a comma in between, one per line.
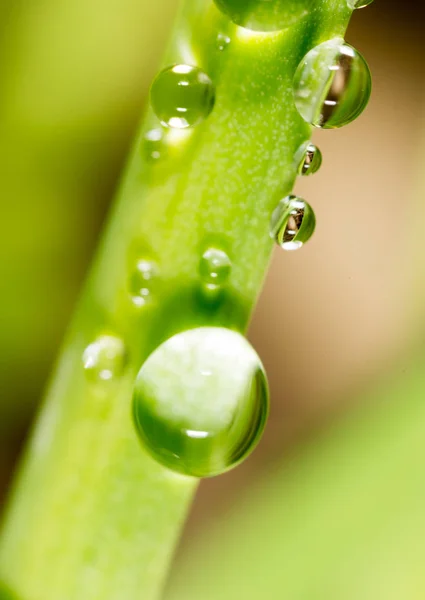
x=200, y=399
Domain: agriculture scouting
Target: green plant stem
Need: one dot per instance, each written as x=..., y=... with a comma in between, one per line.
x=92, y=516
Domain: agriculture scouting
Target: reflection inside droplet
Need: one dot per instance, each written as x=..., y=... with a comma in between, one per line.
x=293, y=223
x=332, y=85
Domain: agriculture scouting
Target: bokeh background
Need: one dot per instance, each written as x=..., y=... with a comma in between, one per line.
x=334, y=319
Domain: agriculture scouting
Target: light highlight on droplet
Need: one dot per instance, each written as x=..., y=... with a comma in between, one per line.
x=359, y=3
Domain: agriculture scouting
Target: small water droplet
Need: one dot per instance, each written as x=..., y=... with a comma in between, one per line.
x=309, y=159
x=201, y=401
x=215, y=267
x=359, y=3
x=182, y=96
x=332, y=85
x=293, y=223
x=105, y=358
x=153, y=144
x=143, y=281
x=263, y=15
x=222, y=41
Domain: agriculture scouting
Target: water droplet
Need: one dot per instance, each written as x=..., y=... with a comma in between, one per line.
x=222, y=41
x=153, y=144
x=143, y=281
x=201, y=401
x=215, y=267
x=105, y=358
x=263, y=15
x=293, y=223
x=182, y=96
x=309, y=159
x=359, y=3
x=332, y=85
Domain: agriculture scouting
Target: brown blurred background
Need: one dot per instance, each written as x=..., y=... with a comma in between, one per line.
x=332, y=317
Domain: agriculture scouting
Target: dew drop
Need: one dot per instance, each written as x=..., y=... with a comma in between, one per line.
x=293, y=223
x=143, y=282
x=182, y=96
x=105, y=358
x=222, y=41
x=309, y=159
x=201, y=401
x=359, y=3
x=153, y=144
x=332, y=85
x=263, y=15
x=215, y=267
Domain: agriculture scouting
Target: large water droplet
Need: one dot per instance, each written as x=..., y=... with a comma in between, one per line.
x=153, y=144
x=105, y=358
x=293, y=223
x=309, y=159
x=263, y=15
x=201, y=401
x=332, y=85
x=143, y=281
x=359, y=3
x=182, y=96
x=222, y=41
x=215, y=267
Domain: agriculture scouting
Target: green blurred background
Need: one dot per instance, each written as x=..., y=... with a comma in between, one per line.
x=333, y=318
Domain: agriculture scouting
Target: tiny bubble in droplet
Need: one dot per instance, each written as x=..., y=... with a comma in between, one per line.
x=222, y=41
x=214, y=268
x=104, y=359
x=153, y=146
x=143, y=281
x=293, y=223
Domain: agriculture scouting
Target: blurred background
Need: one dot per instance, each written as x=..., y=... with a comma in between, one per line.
x=333, y=319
